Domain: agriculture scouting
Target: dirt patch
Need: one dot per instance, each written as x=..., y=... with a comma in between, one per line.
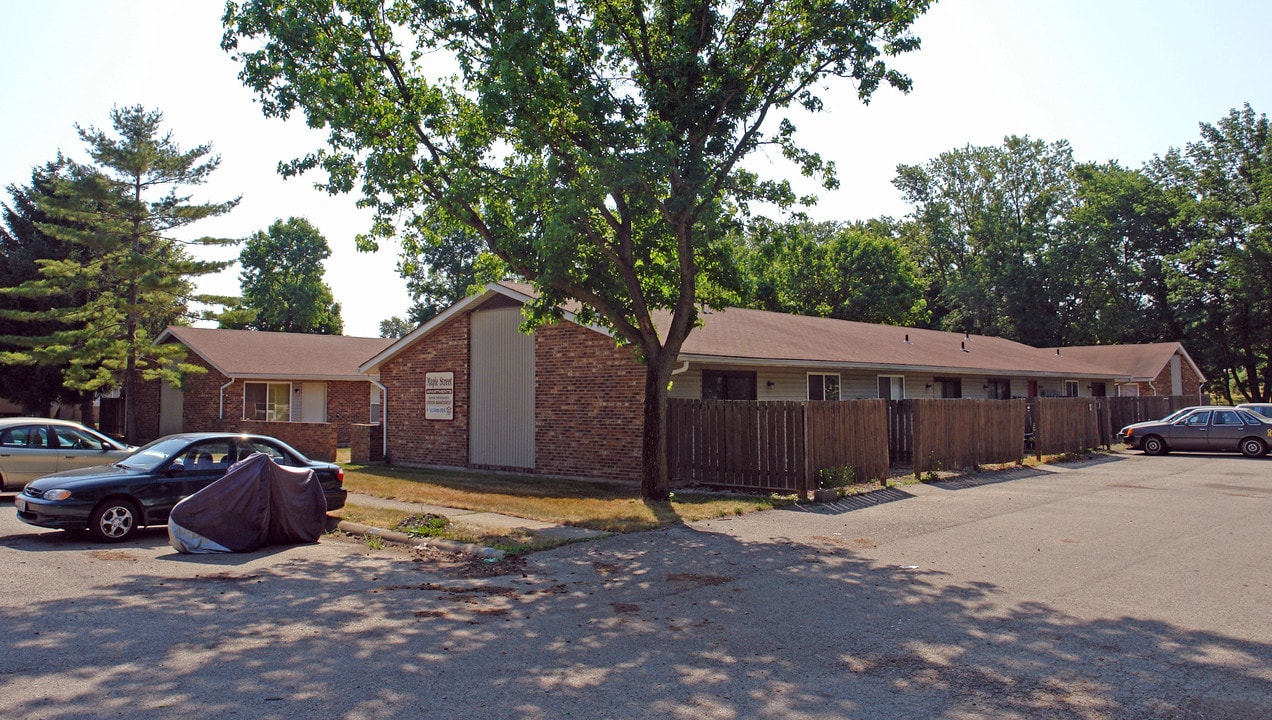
x=112, y=555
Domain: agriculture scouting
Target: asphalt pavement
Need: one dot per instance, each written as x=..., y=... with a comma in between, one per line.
x=1128, y=587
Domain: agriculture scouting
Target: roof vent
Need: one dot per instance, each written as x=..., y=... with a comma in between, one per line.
x=963, y=345
x=907, y=338
x=1057, y=352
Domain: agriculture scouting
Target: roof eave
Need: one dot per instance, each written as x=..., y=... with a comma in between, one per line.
x=775, y=362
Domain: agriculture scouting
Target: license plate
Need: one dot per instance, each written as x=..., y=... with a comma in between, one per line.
x=19, y=503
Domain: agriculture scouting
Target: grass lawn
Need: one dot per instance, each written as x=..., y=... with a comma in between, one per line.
x=598, y=505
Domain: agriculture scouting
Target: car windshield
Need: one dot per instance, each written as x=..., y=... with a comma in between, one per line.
x=1177, y=414
x=155, y=454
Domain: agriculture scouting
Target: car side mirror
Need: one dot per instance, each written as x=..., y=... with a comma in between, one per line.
x=175, y=468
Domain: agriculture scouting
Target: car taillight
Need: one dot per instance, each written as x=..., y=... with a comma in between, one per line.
x=340, y=475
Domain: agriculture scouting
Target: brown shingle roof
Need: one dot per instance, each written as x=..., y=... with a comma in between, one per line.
x=760, y=336
x=1143, y=361
x=247, y=353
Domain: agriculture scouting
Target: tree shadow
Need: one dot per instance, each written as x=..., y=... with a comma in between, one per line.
x=684, y=622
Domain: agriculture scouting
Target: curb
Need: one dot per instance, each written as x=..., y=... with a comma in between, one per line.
x=393, y=536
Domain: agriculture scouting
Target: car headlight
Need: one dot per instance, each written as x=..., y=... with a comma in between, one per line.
x=1126, y=432
x=56, y=494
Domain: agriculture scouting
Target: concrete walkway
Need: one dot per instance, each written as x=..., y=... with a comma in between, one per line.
x=483, y=520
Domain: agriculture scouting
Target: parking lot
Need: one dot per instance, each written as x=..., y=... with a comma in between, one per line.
x=1124, y=587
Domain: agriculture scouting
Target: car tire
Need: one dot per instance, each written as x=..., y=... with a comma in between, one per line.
x=1253, y=447
x=114, y=520
x=1153, y=445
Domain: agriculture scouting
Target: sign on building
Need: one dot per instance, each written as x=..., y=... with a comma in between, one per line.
x=439, y=396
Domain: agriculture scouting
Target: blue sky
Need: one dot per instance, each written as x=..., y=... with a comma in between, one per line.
x=1118, y=79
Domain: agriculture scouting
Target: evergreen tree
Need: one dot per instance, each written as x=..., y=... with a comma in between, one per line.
x=128, y=277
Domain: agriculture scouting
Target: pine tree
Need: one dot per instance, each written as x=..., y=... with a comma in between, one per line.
x=128, y=276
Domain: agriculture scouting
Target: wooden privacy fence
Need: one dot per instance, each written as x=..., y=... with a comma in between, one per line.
x=1068, y=424
x=780, y=446
x=966, y=433
x=774, y=446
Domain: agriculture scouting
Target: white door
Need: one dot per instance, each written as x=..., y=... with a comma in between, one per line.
x=171, y=407
x=313, y=402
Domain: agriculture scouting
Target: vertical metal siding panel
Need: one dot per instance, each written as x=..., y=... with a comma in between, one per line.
x=502, y=392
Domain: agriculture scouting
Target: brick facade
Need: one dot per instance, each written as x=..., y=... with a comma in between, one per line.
x=589, y=396
x=1161, y=385
x=588, y=403
x=347, y=402
x=412, y=439
x=317, y=441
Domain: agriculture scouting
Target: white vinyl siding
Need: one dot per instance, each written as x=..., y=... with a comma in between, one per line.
x=501, y=419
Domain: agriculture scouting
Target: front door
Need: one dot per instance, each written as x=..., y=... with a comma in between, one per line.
x=313, y=402
x=171, y=409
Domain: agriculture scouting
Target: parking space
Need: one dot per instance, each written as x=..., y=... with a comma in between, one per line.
x=1125, y=587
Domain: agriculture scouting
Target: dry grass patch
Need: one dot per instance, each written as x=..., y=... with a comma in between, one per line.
x=511, y=541
x=598, y=505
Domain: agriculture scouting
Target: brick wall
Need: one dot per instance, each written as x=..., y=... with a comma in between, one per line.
x=315, y=440
x=348, y=402
x=412, y=439
x=366, y=443
x=588, y=405
x=1161, y=385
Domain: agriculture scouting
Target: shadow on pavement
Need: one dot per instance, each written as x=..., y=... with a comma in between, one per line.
x=679, y=623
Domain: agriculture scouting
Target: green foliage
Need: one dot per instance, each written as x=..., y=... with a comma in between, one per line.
x=443, y=272
x=990, y=238
x=1219, y=282
x=123, y=277
x=395, y=327
x=836, y=477
x=27, y=314
x=849, y=272
x=594, y=148
x=282, y=282
x=426, y=525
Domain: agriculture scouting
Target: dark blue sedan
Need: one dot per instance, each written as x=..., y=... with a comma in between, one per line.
x=113, y=501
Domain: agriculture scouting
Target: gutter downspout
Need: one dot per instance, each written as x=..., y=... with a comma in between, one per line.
x=221, y=412
x=384, y=418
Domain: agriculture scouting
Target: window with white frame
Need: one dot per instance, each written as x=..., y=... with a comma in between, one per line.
x=823, y=386
x=267, y=401
x=892, y=387
x=1070, y=388
x=375, y=404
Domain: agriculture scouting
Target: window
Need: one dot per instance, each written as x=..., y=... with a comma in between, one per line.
x=34, y=436
x=375, y=405
x=998, y=389
x=892, y=387
x=1227, y=417
x=947, y=387
x=1098, y=390
x=68, y=437
x=267, y=401
x=1198, y=419
x=1070, y=388
x=823, y=386
x=721, y=385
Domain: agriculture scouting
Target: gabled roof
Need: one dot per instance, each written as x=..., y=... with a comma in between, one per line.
x=758, y=337
x=1142, y=362
x=276, y=355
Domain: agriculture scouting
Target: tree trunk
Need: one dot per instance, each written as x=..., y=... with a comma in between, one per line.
x=655, y=478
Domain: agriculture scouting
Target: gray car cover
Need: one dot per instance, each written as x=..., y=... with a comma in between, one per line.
x=256, y=503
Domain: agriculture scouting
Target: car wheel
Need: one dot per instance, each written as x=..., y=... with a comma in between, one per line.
x=1253, y=447
x=1154, y=445
x=114, y=520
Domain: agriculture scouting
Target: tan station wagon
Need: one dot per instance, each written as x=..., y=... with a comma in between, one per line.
x=34, y=447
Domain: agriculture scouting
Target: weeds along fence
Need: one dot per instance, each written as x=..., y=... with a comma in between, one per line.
x=781, y=446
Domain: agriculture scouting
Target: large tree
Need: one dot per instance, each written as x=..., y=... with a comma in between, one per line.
x=1222, y=281
x=847, y=271
x=593, y=146
x=991, y=238
x=282, y=282
x=131, y=276
x=22, y=246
